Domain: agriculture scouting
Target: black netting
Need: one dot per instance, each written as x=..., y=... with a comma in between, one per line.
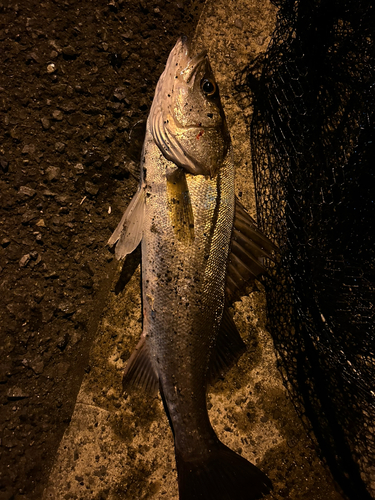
x=313, y=144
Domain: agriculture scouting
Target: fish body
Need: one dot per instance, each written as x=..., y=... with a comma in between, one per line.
x=185, y=214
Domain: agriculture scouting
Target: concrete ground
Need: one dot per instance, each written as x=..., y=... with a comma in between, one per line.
x=118, y=448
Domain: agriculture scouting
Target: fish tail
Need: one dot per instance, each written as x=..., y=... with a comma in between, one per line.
x=223, y=475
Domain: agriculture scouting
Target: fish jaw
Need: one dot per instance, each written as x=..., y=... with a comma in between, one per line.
x=186, y=119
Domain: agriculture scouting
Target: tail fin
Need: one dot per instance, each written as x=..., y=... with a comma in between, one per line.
x=224, y=475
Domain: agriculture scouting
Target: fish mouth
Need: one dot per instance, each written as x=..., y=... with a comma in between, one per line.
x=193, y=63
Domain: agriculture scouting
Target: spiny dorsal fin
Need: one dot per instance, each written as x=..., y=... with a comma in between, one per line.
x=228, y=348
x=139, y=371
x=249, y=247
x=128, y=233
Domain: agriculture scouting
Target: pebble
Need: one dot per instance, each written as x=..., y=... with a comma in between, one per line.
x=123, y=124
x=79, y=168
x=67, y=308
x=58, y=115
x=120, y=93
x=28, y=216
x=28, y=149
x=100, y=120
x=27, y=191
x=59, y=147
x=70, y=52
x=41, y=223
x=37, y=365
x=4, y=163
x=51, y=68
x=62, y=341
x=24, y=260
x=115, y=107
x=238, y=23
x=15, y=393
x=128, y=35
x=110, y=133
x=53, y=173
x=45, y=123
x=90, y=188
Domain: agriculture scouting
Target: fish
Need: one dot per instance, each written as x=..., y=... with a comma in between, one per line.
x=199, y=251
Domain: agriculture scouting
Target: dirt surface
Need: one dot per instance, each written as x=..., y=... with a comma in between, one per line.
x=75, y=80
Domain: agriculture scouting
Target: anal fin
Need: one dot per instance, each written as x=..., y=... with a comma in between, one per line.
x=228, y=348
x=139, y=371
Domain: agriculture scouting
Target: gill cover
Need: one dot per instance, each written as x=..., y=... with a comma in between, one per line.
x=186, y=118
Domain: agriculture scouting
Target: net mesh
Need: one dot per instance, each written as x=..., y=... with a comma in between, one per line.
x=313, y=150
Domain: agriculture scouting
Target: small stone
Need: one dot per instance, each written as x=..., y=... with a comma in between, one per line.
x=61, y=369
x=49, y=193
x=51, y=275
x=37, y=365
x=70, y=52
x=120, y=93
x=128, y=35
x=33, y=57
x=53, y=54
x=41, y=223
x=28, y=216
x=4, y=163
x=91, y=188
x=238, y=23
x=110, y=133
x=15, y=134
x=15, y=393
x=53, y=173
x=27, y=191
x=123, y=124
x=5, y=242
x=100, y=120
x=115, y=107
x=25, y=259
x=28, y=149
x=68, y=107
x=59, y=147
x=67, y=308
x=62, y=342
x=51, y=68
x=45, y=123
x=58, y=115
x=79, y=169
x=34, y=255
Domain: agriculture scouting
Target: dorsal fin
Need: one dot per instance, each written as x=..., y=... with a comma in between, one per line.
x=249, y=247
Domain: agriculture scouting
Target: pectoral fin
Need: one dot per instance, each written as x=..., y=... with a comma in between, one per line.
x=128, y=233
x=179, y=203
x=249, y=247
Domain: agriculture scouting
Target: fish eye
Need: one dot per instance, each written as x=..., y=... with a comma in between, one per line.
x=208, y=87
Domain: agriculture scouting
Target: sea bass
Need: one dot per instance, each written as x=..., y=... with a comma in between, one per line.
x=199, y=249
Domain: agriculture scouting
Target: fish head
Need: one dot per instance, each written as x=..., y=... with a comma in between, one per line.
x=187, y=120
